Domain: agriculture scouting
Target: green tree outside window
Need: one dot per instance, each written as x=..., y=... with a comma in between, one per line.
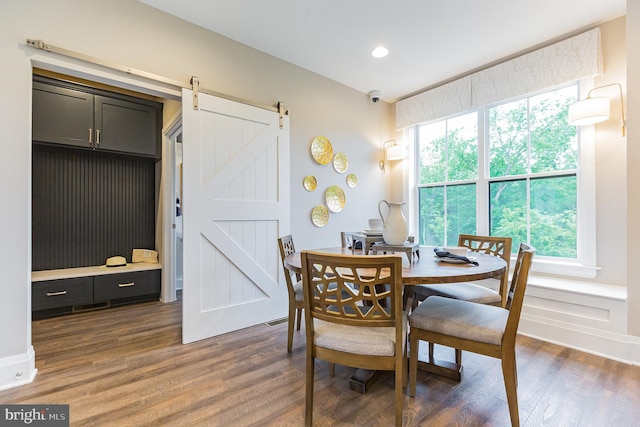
x=532, y=164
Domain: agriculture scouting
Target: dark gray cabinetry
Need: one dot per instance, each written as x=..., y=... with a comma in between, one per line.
x=126, y=285
x=62, y=115
x=59, y=296
x=94, y=159
x=75, y=115
x=124, y=126
x=61, y=293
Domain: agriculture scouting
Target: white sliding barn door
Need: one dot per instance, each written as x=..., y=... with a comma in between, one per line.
x=235, y=206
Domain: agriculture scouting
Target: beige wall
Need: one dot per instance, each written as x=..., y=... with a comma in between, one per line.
x=611, y=168
x=633, y=168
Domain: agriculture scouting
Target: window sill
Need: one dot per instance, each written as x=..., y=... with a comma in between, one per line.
x=562, y=268
x=601, y=290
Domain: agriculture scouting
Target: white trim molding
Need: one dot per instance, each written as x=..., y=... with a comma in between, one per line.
x=586, y=316
x=18, y=370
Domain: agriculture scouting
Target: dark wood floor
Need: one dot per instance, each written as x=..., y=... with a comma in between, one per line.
x=127, y=367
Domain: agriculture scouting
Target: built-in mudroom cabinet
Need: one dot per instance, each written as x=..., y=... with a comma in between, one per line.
x=94, y=196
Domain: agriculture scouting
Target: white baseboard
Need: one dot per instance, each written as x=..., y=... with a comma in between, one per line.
x=17, y=370
x=620, y=347
x=586, y=316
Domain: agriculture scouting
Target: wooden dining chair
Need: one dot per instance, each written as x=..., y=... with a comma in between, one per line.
x=478, y=328
x=491, y=245
x=353, y=317
x=346, y=239
x=473, y=292
x=294, y=288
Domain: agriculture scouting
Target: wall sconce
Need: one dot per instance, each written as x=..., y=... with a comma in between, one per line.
x=595, y=110
x=390, y=151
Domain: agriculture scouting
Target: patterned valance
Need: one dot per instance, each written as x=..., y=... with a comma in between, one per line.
x=571, y=59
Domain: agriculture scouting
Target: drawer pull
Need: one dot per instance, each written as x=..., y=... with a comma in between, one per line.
x=55, y=294
x=126, y=285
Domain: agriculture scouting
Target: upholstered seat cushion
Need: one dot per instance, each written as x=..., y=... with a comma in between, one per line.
x=469, y=320
x=373, y=341
x=462, y=291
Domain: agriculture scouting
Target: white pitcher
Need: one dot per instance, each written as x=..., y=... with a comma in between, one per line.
x=395, y=230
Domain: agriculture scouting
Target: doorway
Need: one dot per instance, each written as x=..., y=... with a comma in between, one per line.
x=178, y=190
x=247, y=261
x=172, y=222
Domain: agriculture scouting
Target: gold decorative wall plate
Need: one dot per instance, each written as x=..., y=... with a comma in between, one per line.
x=352, y=180
x=310, y=183
x=335, y=198
x=340, y=162
x=321, y=150
x=320, y=216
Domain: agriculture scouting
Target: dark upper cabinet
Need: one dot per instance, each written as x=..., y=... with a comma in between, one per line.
x=82, y=117
x=62, y=115
x=124, y=126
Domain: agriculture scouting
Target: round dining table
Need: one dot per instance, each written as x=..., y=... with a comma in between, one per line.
x=429, y=269
x=424, y=270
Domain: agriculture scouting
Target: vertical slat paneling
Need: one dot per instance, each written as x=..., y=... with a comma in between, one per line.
x=90, y=205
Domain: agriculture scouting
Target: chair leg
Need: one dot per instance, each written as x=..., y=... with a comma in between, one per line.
x=405, y=365
x=408, y=299
x=414, y=302
x=332, y=369
x=292, y=313
x=511, y=386
x=458, y=356
x=308, y=404
x=431, y=347
x=413, y=363
x=299, y=315
x=400, y=379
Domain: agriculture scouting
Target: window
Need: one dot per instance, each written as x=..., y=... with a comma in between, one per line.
x=448, y=175
x=516, y=177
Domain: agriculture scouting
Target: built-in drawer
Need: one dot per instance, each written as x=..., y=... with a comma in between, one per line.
x=61, y=293
x=126, y=285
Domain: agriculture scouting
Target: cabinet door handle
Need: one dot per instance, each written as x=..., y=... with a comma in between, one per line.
x=55, y=294
x=126, y=285
x=97, y=136
x=90, y=136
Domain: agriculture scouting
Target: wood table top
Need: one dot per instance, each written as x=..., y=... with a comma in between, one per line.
x=426, y=270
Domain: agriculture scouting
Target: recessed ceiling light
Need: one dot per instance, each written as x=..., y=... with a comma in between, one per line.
x=379, y=52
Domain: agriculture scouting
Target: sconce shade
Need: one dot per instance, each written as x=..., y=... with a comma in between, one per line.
x=390, y=151
x=589, y=111
x=395, y=152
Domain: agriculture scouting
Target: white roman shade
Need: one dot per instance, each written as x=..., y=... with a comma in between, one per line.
x=571, y=59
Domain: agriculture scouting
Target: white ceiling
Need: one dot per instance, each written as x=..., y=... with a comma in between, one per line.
x=430, y=41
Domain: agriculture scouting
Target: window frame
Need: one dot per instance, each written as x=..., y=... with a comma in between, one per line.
x=585, y=265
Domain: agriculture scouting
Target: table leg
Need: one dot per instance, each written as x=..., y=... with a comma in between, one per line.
x=441, y=367
x=361, y=380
